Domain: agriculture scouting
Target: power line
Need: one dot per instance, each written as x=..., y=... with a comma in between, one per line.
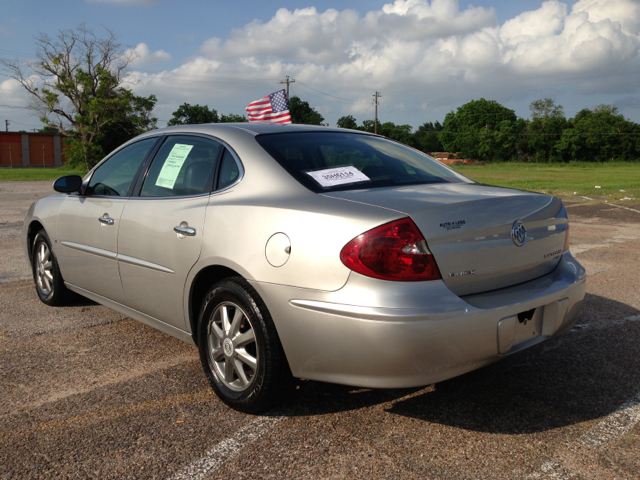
x=365, y=112
x=323, y=93
x=19, y=54
x=350, y=102
x=10, y=106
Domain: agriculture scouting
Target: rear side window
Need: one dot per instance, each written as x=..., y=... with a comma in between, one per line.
x=330, y=161
x=229, y=171
x=113, y=178
x=184, y=165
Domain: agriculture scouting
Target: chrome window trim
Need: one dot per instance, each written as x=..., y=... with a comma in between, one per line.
x=138, y=197
x=87, y=177
x=214, y=191
x=240, y=170
x=255, y=134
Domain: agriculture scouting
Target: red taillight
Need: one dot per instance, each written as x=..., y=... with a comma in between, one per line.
x=566, y=239
x=394, y=251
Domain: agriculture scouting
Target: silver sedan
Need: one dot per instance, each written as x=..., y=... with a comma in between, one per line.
x=288, y=252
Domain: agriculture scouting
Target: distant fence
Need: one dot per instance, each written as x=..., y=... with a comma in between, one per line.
x=19, y=149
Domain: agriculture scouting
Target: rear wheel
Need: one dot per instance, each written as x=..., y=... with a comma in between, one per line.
x=239, y=348
x=46, y=273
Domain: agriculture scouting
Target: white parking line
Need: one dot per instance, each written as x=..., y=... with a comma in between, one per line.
x=626, y=208
x=552, y=470
x=613, y=205
x=613, y=426
x=227, y=449
x=600, y=326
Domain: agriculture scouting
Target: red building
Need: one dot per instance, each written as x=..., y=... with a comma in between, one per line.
x=21, y=149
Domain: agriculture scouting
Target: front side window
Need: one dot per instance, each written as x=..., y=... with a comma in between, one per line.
x=331, y=161
x=184, y=165
x=114, y=177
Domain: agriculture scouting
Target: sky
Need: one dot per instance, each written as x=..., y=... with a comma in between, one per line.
x=425, y=57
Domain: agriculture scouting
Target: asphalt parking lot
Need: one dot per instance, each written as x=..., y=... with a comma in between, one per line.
x=86, y=392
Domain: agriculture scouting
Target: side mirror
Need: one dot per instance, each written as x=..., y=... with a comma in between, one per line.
x=68, y=184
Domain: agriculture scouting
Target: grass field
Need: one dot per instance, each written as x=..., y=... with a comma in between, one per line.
x=22, y=174
x=617, y=181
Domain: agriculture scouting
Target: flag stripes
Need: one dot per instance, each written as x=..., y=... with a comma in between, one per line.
x=273, y=108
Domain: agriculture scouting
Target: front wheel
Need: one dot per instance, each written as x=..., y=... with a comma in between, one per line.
x=46, y=273
x=239, y=348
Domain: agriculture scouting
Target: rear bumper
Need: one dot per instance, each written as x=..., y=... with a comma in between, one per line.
x=379, y=334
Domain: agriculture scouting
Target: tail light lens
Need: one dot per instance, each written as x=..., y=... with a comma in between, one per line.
x=393, y=251
x=566, y=239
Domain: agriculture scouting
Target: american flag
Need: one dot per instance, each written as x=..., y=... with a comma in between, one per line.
x=273, y=108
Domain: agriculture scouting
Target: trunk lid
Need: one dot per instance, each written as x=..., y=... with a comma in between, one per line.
x=468, y=228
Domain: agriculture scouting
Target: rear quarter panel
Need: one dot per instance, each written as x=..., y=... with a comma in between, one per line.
x=236, y=233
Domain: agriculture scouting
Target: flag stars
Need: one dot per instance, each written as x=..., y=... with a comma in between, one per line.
x=279, y=101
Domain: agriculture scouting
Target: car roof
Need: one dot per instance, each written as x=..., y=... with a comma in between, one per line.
x=256, y=128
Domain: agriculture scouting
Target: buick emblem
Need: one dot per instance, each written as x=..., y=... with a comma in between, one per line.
x=518, y=233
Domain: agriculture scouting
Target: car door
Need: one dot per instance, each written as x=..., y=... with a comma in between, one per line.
x=160, y=234
x=88, y=223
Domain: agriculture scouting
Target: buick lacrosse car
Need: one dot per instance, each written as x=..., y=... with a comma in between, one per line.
x=288, y=252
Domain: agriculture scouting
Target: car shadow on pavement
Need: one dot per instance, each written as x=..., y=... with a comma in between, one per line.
x=319, y=398
x=583, y=375
x=77, y=300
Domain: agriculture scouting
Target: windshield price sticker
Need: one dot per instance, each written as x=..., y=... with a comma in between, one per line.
x=172, y=165
x=338, y=176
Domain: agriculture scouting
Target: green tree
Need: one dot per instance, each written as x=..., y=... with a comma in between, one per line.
x=187, y=114
x=368, y=126
x=599, y=135
x=303, y=113
x=545, y=108
x=78, y=87
x=233, y=118
x=348, y=121
x=400, y=133
x=426, y=137
x=481, y=129
x=139, y=120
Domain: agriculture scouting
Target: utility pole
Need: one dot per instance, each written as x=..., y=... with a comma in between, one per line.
x=287, y=81
x=6, y=123
x=376, y=96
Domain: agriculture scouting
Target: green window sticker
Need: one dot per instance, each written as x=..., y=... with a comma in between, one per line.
x=172, y=165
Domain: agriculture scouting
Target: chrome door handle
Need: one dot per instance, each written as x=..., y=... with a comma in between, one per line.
x=188, y=231
x=106, y=220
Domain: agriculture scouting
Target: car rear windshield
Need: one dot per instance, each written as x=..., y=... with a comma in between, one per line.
x=331, y=161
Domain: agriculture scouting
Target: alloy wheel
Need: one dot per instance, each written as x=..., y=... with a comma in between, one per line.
x=233, y=351
x=44, y=269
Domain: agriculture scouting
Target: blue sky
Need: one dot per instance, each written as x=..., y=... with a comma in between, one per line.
x=426, y=57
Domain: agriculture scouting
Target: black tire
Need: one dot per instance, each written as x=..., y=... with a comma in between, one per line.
x=247, y=389
x=51, y=290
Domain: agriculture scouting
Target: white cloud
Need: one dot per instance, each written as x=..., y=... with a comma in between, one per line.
x=11, y=93
x=417, y=52
x=14, y=101
x=145, y=57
